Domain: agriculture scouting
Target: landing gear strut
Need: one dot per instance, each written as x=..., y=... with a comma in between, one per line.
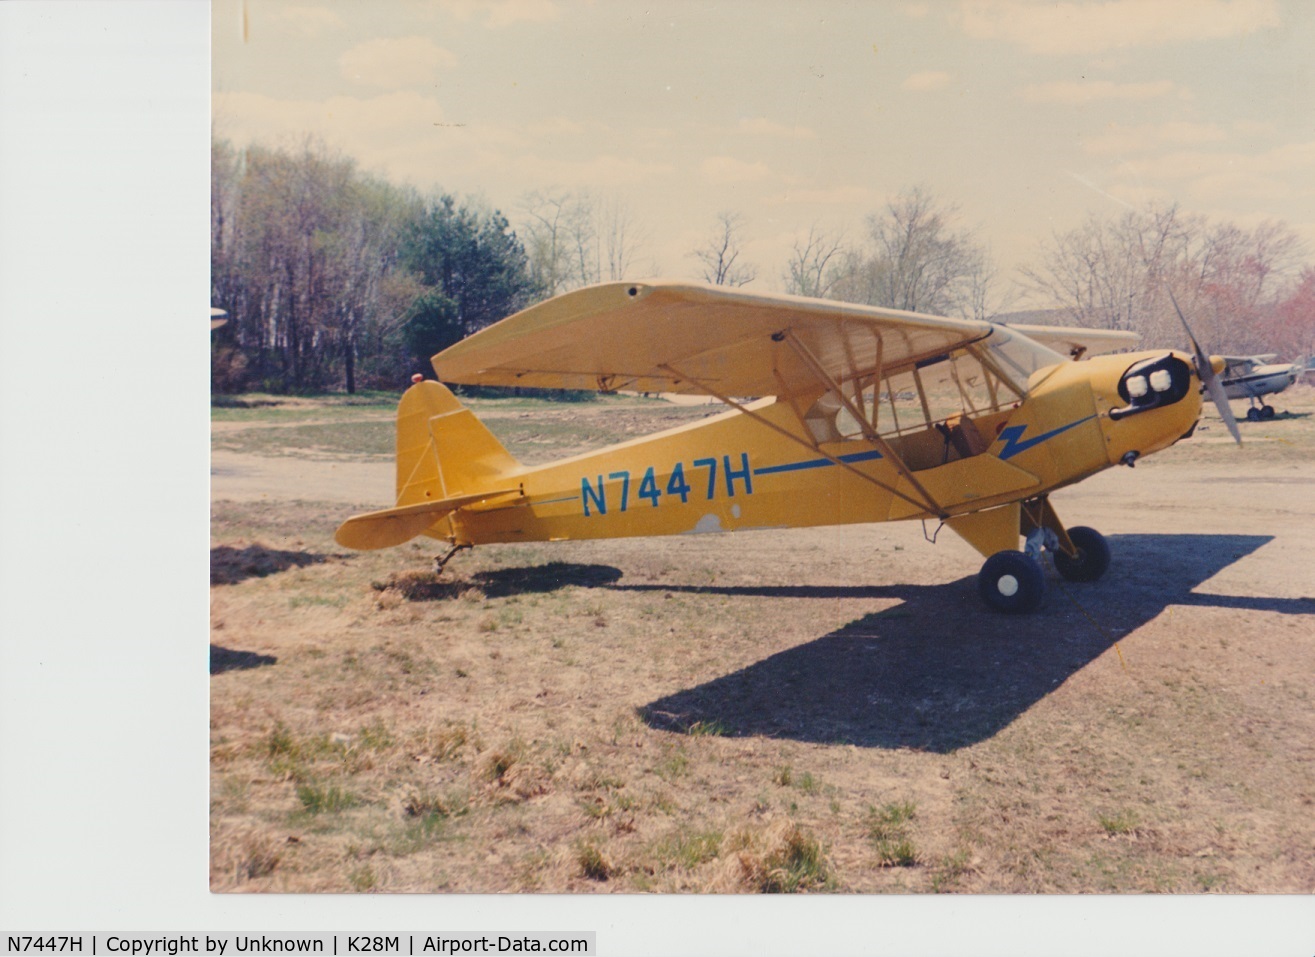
x=1014, y=581
x=440, y=561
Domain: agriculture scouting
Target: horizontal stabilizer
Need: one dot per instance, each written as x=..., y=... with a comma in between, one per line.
x=393, y=526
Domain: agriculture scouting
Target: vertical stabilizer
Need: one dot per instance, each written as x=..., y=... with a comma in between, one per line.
x=443, y=451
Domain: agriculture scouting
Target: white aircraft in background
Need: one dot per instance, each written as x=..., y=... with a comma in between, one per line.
x=1250, y=377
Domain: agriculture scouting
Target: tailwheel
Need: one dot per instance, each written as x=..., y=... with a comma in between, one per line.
x=1093, y=556
x=1011, y=582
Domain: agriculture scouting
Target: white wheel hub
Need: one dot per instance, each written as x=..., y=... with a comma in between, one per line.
x=1007, y=586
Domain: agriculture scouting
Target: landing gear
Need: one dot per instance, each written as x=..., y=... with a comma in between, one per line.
x=1259, y=411
x=1092, y=559
x=1012, y=582
x=440, y=561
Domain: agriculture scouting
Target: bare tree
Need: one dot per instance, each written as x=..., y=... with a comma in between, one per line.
x=1115, y=273
x=620, y=240
x=814, y=267
x=720, y=254
x=916, y=260
x=560, y=239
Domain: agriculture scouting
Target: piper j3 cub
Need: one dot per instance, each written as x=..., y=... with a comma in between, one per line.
x=861, y=415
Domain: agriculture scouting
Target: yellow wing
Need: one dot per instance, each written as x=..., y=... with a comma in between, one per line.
x=1078, y=342
x=660, y=336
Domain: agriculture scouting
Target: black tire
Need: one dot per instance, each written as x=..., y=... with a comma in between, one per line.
x=1093, y=556
x=1253, y=414
x=1267, y=412
x=1011, y=582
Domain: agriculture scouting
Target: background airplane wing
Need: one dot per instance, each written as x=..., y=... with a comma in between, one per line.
x=1077, y=342
x=660, y=336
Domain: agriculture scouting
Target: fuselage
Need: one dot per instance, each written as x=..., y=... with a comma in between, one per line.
x=1261, y=380
x=756, y=467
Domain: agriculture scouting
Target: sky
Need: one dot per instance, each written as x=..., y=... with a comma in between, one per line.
x=1025, y=116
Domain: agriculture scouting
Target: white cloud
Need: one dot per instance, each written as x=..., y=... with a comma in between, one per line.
x=1135, y=139
x=1197, y=165
x=927, y=80
x=306, y=20
x=835, y=196
x=727, y=169
x=348, y=121
x=1273, y=177
x=1091, y=91
x=1073, y=27
x=555, y=126
x=761, y=126
x=393, y=62
x=1134, y=195
x=605, y=170
x=502, y=13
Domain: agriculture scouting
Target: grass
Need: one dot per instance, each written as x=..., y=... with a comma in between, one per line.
x=1119, y=822
x=756, y=714
x=794, y=862
x=688, y=848
x=888, y=829
x=532, y=429
x=593, y=865
x=318, y=799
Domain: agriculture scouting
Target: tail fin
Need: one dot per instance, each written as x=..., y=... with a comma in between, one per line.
x=443, y=451
x=446, y=460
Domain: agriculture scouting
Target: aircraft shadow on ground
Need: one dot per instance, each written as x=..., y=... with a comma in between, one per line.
x=504, y=582
x=229, y=565
x=226, y=659
x=1277, y=416
x=941, y=672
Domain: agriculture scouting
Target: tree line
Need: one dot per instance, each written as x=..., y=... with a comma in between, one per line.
x=337, y=279
x=1243, y=291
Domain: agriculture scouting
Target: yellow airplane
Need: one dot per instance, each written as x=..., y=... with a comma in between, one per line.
x=861, y=414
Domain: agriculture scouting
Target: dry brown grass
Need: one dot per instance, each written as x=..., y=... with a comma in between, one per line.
x=825, y=710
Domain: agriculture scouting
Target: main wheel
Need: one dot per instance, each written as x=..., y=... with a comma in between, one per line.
x=1267, y=412
x=1253, y=414
x=1093, y=556
x=1011, y=582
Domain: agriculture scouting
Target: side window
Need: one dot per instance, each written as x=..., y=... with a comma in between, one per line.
x=954, y=386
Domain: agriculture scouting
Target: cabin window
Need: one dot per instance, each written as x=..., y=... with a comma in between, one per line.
x=938, y=389
x=943, y=408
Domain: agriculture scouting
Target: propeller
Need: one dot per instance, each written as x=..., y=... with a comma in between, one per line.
x=1208, y=375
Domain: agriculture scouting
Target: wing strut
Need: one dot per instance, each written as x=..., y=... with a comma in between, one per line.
x=869, y=433
x=740, y=407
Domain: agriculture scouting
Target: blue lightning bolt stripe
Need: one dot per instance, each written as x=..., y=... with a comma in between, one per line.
x=818, y=463
x=1015, y=443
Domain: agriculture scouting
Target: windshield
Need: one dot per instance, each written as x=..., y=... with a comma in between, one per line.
x=1018, y=357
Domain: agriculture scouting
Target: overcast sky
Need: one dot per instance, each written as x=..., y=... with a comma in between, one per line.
x=1025, y=115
